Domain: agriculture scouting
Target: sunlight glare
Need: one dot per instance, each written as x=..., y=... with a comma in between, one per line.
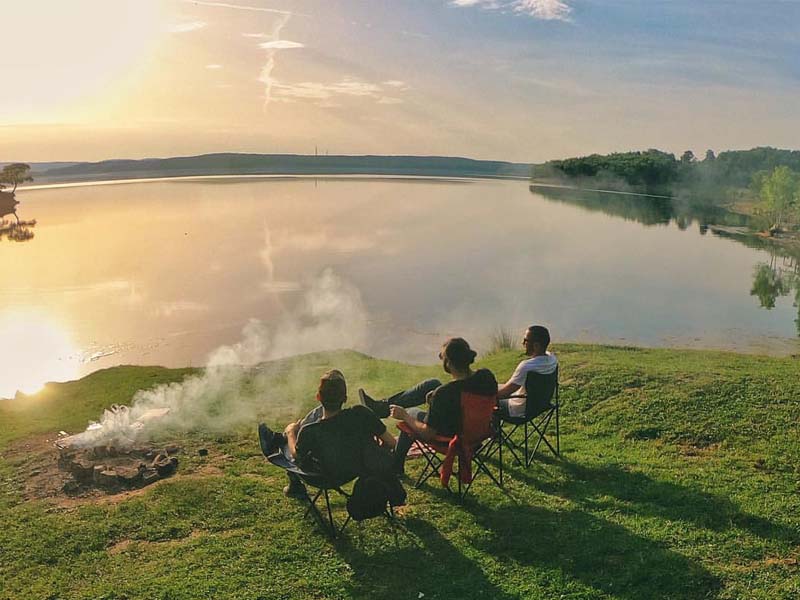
x=35, y=350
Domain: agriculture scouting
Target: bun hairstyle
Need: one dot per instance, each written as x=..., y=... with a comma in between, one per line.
x=458, y=353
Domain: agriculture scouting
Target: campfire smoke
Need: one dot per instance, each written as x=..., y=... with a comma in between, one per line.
x=330, y=316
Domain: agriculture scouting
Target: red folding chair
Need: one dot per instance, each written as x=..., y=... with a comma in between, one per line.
x=468, y=448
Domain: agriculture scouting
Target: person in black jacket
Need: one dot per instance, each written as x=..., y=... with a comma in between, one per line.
x=443, y=416
x=330, y=439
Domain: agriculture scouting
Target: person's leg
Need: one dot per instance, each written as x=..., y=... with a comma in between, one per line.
x=413, y=396
x=404, y=442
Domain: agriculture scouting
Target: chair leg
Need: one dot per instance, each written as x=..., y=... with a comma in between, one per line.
x=558, y=433
x=330, y=514
x=500, y=439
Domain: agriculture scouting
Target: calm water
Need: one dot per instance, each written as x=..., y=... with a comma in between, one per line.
x=167, y=272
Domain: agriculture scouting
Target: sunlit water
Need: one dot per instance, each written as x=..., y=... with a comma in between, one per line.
x=165, y=272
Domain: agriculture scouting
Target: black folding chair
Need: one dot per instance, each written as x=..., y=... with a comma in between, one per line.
x=541, y=406
x=323, y=487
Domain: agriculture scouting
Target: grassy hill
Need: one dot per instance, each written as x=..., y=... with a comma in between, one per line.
x=680, y=478
x=231, y=163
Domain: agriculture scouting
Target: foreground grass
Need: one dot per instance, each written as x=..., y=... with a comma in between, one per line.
x=680, y=479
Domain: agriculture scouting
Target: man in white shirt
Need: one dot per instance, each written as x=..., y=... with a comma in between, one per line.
x=539, y=360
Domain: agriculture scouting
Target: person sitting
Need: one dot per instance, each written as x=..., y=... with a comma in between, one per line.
x=511, y=395
x=328, y=439
x=443, y=416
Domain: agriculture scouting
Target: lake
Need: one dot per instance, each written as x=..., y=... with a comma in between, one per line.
x=172, y=272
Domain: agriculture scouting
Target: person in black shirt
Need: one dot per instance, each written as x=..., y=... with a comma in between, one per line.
x=444, y=414
x=329, y=440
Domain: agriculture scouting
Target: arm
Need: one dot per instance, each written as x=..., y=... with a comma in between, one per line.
x=420, y=429
x=291, y=432
x=388, y=439
x=506, y=391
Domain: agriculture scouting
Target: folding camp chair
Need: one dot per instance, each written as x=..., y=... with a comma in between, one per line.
x=541, y=405
x=470, y=446
x=323, y=487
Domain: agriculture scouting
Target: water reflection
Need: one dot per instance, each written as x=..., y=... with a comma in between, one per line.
x=779, y=277
x=35, y=349
x=776, y=279
x=15, y=229
x=647, y=210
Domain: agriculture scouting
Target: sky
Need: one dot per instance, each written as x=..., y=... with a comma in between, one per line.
x=519, y=80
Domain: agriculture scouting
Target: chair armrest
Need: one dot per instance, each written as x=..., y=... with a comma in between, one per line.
x=440, y=439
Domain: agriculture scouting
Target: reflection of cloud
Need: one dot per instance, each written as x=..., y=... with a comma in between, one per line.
x=168, y=309
x=186, y=27
x=319, y=240
x=280, y=286
x=547, y=10
x=280, y=45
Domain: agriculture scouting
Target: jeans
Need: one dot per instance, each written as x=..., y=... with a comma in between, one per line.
x=404, y=440
x=414, y=396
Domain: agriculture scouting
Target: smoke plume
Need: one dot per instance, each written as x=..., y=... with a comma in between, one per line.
x=229, y=393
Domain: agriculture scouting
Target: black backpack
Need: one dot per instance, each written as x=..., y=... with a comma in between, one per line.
x=371, y=493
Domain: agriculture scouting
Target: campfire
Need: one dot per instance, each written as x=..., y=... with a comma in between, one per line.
x=111, y=458
x=114, y=469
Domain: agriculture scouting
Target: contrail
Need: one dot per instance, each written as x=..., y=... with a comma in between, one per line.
x=243, y=7
x=266, y=70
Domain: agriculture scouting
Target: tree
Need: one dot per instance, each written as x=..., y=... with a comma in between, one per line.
x=15, y=174
x=778, y=192
x=687, y=157
x=710, y=156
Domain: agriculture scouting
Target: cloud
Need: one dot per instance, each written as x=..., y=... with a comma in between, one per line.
x=347, y=87
x=238, y=7
x=546, y=10
x=187, y=27
x=213, y=66
x=280, y=45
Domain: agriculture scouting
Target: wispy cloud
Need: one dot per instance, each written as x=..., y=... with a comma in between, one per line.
x=187, y=27
x=348, y=86
x=280, y=45
x=547, y=10
x=238, y=7
x=213, y=67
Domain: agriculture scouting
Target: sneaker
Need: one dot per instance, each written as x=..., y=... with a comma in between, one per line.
x=295, y=490
x=269, y=440
x=380, y=408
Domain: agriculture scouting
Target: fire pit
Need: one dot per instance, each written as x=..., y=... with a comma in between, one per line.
x=114, y=469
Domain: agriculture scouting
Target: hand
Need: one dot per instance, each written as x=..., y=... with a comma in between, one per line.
x=398, y=412
x=292, y=428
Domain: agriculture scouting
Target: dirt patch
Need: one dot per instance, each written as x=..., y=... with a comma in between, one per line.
x=39, y=473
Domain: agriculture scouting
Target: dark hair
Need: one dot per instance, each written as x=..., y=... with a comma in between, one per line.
x=539, y=335
x=458, y=353
x=332, y=390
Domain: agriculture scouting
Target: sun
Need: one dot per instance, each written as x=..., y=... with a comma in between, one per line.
x=63, y=54
x=34, y=349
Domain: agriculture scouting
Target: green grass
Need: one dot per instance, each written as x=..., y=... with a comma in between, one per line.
x=680, y=478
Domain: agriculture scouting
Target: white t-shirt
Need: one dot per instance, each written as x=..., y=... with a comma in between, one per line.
x=545, y=365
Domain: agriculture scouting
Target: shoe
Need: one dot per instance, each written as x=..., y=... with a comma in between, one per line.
x=295, y=490
x=269, y=440
x=380, y=408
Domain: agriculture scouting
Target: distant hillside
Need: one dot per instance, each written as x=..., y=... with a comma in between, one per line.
x=289, y=164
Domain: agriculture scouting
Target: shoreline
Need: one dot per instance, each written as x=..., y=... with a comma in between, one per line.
x=268, y=176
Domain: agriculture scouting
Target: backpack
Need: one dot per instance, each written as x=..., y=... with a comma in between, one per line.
x=370, y=495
